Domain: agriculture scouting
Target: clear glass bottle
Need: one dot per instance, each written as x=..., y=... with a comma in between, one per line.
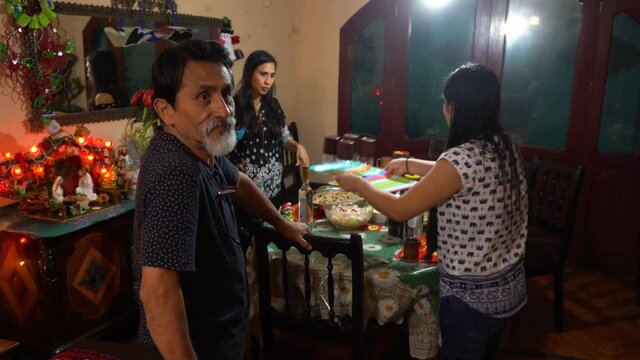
x=305, y=199
x=411, y=237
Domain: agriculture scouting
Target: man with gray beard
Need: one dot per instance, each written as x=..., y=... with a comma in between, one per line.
x=190, y=268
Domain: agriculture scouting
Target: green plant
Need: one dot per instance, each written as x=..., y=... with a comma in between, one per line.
x=136, y=135
x=136, y=138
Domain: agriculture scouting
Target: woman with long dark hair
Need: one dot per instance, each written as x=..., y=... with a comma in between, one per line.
x=261, y=127
x=477, y=195
x=104, y=92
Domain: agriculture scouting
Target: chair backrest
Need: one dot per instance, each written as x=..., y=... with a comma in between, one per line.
x=366, y=149
x=346, y=149
x=330, y=146
x=290, y=167
x=337, y=328
x=436, y=147
x=553, y=195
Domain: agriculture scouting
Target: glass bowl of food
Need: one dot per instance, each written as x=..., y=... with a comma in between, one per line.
x=332, y=195
x=348, y=215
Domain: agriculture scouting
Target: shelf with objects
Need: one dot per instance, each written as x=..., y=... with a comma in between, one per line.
x=65, y=239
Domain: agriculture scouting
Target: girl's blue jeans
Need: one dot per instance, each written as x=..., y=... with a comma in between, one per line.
x=467, y=333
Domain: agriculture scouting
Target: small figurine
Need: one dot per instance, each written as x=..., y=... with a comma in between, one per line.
x=123, y=164
x=123, y=159
x=21, y=187
x=286, y=211
x=227, y=39
x=54, y=130
x=56, y=190
x=85, y=185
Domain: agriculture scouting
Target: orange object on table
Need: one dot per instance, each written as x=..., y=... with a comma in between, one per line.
x=317, y=215
x=422, y=253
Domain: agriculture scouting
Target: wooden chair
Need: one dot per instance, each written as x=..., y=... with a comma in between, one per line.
x=553, y=195
x=346, y=149
x=291, y=170
x=342, y=329
x=366, y=149
x=436, y=147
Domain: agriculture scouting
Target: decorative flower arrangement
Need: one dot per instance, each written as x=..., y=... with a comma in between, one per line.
x=138, y=133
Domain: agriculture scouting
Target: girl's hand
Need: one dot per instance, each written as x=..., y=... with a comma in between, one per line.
x=350, y=182
x=302, y=158
x=396, y=167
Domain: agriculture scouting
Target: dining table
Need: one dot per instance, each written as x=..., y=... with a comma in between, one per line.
x=396, y=290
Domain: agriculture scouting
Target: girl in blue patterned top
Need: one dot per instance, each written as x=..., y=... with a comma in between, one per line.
x=261, y=128
x=477, y=194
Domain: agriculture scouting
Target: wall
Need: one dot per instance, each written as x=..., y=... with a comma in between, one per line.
x=316, y=60
x=303, y=35
x=260, y=25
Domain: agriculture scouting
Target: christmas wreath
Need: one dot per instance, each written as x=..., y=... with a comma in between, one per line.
x=36, y=21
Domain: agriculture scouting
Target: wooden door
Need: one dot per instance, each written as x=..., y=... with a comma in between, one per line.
x=612, y=141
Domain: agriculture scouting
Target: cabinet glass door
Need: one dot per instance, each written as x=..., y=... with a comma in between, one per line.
x=367, y=69
x=620, y=122
x=435, y=49
x=539, y=64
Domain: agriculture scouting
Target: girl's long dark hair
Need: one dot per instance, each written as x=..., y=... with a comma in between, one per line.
x=246, y=115
x=474, y=91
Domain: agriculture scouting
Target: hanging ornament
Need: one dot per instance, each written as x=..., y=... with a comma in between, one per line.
x=36, y=21
x=227, y=39
x=33, y=56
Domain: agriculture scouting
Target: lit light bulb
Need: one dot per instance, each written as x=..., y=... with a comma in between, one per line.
x=81, y=140
x=16, y=171
x=7, y=155
x=107, y=144
x=435, y=3
x=33, y=149
x=515, y=27
x=90, y=157
x=23, y=241
x=534, y=20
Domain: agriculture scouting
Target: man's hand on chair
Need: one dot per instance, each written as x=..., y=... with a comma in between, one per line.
x=294, y=231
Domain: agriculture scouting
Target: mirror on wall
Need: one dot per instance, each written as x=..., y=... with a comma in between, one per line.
x=114, y=53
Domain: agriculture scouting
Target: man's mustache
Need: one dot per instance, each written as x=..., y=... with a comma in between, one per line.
x=229, y=122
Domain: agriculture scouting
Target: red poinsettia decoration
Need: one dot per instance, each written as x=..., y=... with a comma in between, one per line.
x=144, y=98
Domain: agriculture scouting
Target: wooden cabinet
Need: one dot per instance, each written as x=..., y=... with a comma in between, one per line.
x=60, y=282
